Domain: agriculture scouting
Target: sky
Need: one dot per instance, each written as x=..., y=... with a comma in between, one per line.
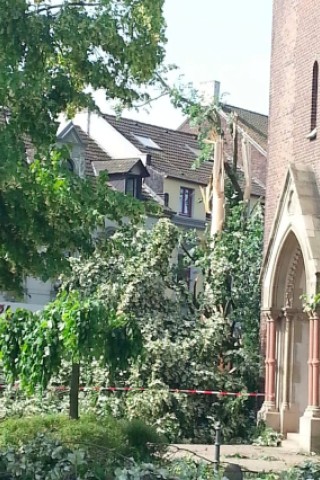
x=224, y=40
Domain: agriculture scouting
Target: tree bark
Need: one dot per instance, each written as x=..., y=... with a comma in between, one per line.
x=235, y=144
x=218, y=198
x=233, y=178
x=74, y=392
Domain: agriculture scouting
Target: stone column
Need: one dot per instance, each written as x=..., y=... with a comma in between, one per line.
x=310, y=363
x=268, y=411
x=288, y=316
x=272, y=360
x=315, y=362
x=310, y=421
x=289, y=413
x=266, y=389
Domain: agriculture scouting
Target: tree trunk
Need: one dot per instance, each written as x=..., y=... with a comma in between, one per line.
x=74, y=392
x=217, y=207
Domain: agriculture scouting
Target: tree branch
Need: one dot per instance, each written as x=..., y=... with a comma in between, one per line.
x=187, y=252
x=233, y=179
x=150, y=100
x=47, y=8
x=216, y=122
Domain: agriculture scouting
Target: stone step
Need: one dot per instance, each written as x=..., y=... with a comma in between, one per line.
x=292, y=442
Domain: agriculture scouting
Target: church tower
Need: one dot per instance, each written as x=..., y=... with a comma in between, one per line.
x=291, y=265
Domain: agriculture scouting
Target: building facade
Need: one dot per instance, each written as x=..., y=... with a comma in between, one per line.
x=291, y=266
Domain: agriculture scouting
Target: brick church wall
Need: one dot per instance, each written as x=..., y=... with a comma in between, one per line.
x=295, y=48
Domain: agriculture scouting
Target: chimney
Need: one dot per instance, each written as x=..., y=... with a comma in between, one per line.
x=88, y=121
x=210, y=91
x=216, y=91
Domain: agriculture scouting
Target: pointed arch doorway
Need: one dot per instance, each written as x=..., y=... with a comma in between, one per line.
x=288, y=339
x=291, y=338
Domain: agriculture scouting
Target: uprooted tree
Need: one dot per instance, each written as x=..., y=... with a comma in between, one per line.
x=207, y=342
x=51, y=53
x=211, y=342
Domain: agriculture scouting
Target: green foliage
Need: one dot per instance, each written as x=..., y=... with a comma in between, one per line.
x=231, y=267
x=212, y=345
x=209, y=342
x=206, y=343
x=104, y=437
x=311, y=303
x=143, y=438
x=45, y=213
x=186, y=469
x=144, y=471
x=33, y=345
x=308, y=470
x=44, y=459
x=268, y=438
x=52, y=56
x=205, y=117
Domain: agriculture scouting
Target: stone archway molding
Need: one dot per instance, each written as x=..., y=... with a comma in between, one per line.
x=297, y=216
x=298, y=212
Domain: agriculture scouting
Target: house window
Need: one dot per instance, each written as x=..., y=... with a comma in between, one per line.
x=133, y=186
x=314, y=99
x=186, y=197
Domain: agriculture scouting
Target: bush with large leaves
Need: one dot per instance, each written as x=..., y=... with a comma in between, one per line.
x=209, y=343
x=213, y=346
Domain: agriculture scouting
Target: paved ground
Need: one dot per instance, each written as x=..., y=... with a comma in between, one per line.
x=249, y=457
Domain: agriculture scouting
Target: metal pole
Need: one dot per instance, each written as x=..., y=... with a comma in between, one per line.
x=217, y=444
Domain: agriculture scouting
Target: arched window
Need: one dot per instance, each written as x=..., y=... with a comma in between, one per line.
x=314, y=98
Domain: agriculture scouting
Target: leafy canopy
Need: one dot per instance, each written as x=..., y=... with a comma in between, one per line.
x=50, y=53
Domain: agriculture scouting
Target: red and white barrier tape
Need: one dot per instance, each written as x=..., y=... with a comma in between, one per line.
x=142, y=389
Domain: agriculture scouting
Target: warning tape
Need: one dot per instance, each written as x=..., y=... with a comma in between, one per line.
x=143, y=389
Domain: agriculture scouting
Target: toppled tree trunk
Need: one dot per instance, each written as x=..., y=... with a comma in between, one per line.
x=217, y=209
x=246, y=159
x=235, y=143
x=74, y=392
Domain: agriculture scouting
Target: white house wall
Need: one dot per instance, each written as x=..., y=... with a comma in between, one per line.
x=106, y=136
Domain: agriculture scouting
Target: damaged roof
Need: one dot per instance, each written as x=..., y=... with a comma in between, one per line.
x=174, y=151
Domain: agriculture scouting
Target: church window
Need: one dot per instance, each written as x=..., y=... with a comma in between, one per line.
x=314, y=99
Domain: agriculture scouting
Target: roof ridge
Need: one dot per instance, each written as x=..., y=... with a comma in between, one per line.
x=245, y=109
x=151, y=125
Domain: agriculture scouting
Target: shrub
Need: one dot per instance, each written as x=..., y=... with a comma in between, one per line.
x=143, y=438
x=44, y=459
x=106, y=437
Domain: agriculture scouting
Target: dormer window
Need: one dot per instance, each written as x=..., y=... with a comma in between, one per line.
x=133, y=186
x=314, y=102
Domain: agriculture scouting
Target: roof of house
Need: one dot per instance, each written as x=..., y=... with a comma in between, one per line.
x=174, y=153
x=97, y=160
x=93, y=153
x=255, y=124
x=174, y=156
x=119, y=166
